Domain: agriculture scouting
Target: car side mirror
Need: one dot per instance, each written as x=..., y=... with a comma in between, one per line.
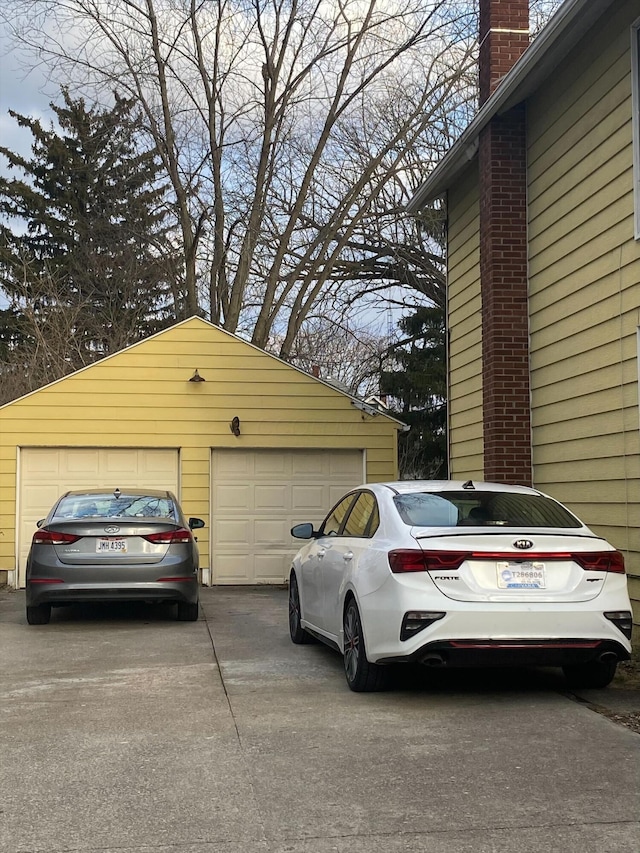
x=40, y=522
x=196, y=523
x=303, y=531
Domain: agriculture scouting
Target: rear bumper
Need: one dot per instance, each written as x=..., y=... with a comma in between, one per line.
x=514, y=652
x=495, y=634
x=61, y=594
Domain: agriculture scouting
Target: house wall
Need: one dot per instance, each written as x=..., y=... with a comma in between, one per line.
x=141, y=397
x=584, y=282
x=464, y=319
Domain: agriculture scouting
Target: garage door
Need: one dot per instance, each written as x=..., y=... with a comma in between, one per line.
x=258, y=495
x=47, y=472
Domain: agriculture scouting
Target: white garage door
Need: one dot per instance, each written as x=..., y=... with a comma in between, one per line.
x=47, y=472
x=256, y=498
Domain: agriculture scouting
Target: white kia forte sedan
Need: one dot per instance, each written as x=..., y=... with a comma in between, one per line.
x=452, y=574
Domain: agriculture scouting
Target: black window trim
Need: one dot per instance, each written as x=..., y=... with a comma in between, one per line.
x=333, y=509
x=366, y=534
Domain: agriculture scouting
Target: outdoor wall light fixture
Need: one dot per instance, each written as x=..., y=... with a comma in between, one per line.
x=196, y=377
x=234, y=426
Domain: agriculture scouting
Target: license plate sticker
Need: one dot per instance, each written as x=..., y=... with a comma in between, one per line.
x=528, y=575
x=111, y=545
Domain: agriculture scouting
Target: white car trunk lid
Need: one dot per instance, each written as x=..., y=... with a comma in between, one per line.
x=513, y=566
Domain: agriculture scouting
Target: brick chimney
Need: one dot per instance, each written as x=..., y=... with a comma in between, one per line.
x=504, y=37
x=504, y=253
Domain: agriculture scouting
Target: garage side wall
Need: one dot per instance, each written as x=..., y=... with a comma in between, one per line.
x=142, y=398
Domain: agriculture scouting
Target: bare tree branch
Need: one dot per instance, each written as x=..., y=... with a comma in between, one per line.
x=286, y=129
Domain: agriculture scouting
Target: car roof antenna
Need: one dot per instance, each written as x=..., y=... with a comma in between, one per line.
x=116, y=493
x=468, y=485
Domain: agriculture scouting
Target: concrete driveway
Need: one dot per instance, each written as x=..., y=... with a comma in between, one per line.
x=122, y=730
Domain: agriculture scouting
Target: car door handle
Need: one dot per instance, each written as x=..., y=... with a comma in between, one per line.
x=348, y=556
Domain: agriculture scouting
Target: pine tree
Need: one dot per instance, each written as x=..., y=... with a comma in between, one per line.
x=417, y=392
x=84, y=246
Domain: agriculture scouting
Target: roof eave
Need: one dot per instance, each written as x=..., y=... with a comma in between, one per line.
x=572, y=20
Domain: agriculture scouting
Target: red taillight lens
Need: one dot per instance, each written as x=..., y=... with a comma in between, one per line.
x=188, y=579
x=44, y=580
x=601, y=561
x=409, y=560
x=169, y=537
x=593, y=561
x=405, y=560
x=53, y=537
x=445, y=559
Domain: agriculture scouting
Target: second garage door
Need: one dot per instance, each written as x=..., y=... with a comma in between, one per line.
x=258, y=495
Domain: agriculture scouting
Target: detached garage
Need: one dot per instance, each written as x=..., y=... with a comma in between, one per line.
x=246, y=441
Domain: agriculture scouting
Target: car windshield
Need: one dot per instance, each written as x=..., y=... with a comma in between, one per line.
x=110, y=506
x=482, y=509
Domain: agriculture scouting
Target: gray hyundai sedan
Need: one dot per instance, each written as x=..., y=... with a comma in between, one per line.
x=98, y=546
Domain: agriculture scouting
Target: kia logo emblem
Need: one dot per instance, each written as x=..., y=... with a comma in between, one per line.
x=523, y=544
x=112, y=529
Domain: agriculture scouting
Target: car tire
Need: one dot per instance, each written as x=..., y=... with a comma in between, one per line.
x=188, y=611
x=298, y=634
x=362, y=676
x=38, y=614
x=594, y=674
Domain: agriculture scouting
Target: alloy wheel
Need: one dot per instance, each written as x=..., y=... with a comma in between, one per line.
x=298, y=634
x=351, y=642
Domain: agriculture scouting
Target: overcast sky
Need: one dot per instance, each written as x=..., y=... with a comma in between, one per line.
x=28, y=92
x=20, y=93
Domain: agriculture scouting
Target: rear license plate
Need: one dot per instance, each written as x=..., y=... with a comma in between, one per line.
x=119, y=546
x=521, y=575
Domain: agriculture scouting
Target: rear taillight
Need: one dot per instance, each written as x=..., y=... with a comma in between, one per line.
x=601, y=561
x=405, y=560
x=409, y=560
x=53, y=537
x=169, y=537
x=596, y=561
x=445, y=559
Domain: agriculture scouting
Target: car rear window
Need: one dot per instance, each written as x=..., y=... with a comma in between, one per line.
x=108, y=506
x=482, y=509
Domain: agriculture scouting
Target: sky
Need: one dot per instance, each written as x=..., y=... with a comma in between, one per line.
x=30, y=94
x=22, y=92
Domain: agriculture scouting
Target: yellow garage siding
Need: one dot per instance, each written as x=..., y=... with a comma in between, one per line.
x=141, y=397
x=465, y=324
x=584, y=280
